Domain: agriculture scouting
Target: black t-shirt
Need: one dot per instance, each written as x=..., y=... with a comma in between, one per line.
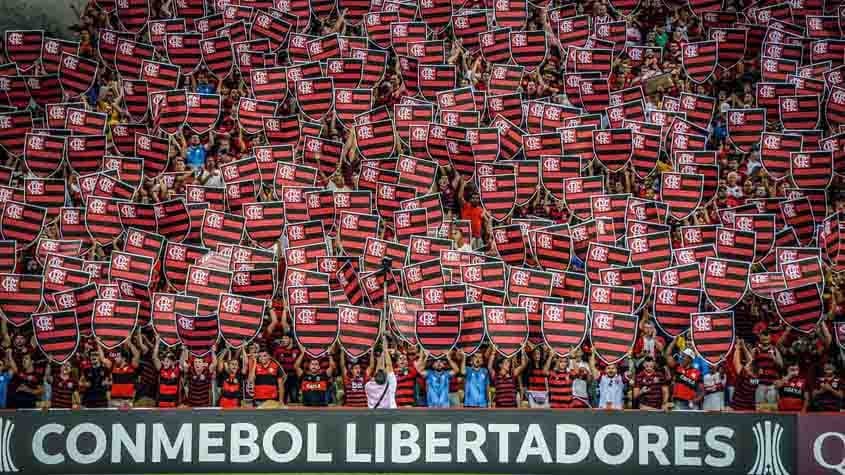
x=95, y=394
x=314, y=388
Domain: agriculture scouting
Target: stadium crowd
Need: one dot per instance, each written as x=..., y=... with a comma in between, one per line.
x=770, y=366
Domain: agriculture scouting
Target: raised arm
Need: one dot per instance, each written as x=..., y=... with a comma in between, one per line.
x=455, y=369
x=136, y=354
x=156, y=360
x=388, y=360
x=421, y=362
x=298, y=363
x=523, y=364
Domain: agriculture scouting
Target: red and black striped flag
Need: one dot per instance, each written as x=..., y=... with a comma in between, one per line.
x=164, y=309
x=799, y=112
x=155, y=152
x=251, y=114
x=631, y=276
x=672, y=307
x=495, y=45
x=777, y=69
x=682, y=192
x=594, y=94
x=776, y=150
x=472, y=327
x=169, y=110
x=76, y=74
x=577, y=193
x=763, y=226
x=264, y=222
x=130, y=55
x=712, y=335
x=437, y=331
x=218, y=56
x=556, y=168
x=174, y=223
x=221, y=228
x=22, y=222
x=767, y=94
x=527, y=281
x=259, y=283
x=433, y=78
x=612, y=148
x=486, y=275
x=315, y=96
x=591, y=60
x=43, y=154
x=731, y=45
x=308, y=295
x=564, y=326
x=509, y=241
x=498, y=195
x=272, y=28
x=699, y=109
x=601, y=256
x=131, y=267
x=23, y=47
x=46, y=193
x=102, y=219
x=240, y=318
x=442, y=296
x=354, y=229
x=136, y=98
x=528, y=48
x=359, y=329
x=802, y=272
x=198, y=333
x=114, y=321
x=408, y=223
x=85, y=153
x=763, y=284
x=80, y=301
x=725, y=282
x=610, y=298
x=737, y=245
x=553, y=250
x=207, y=284
x=612, y=335
x=183, y=50
x=203, y=111
x=801, y=308
x=798, y=213
x=13, y=129
x=375, y=140
x=699, y=59
x=507, y=328
x=315, y=328
x=20, y=297
x=651, y=251
x=56, y=334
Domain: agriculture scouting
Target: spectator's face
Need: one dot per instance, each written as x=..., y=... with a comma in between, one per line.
x=477, y=360
x=793, y=370
x=199, y=364
x=611, y=370
x=314, y=366
x=167, y=362
x=475, y=199
x=403, y=361
x=356, y=370
x=439, y=365
x=195, y=139
x=232, y=366
x=562, y=364
x=649, y=366
x=263, y=357
x=829, y=369
x=66, y=369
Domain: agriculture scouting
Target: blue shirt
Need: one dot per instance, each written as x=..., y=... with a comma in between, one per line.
x=475, y=387
x=5, y=378
x=196, y=156
x=205, y=89
x=437, y=388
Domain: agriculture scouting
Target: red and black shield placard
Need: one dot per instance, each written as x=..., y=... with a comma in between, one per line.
x=359, y=329
x=22, y=222
x=498, y=195
x=672, y=307
x=612, y=335
x=164, y=310
x=800, y=307
x=131, y=267
x=811, y=169
x=240, y=318
x=207, y=284
x=699, y=59
x=651, y=251
x=221, y=228
x=553, y=250
x=315, y=96
x=114, y=321
x=725, y=282
x=528, y=48
x=80, y=301
x=315, y=328
x=23, y=47
x=56, y=334
x=177, y=259
x=354, y=229
x=183, y=50
x=76, y=74
x=43, y=154
x=799, y=112
x=734, y=244
x=609, y=298
x=613, y=148
x=776, y=151
x=13, y=129
x=682, y=192
x=217, y=55
x=472, y=327
x=203, y=111
x=577, y=193
x=601, y=256
x=198, y=333
x=798, y=213
x=803, y=271
x=433, y=78
x=437, y=331
x=745, y=127
x=564, y=326
x=20, y=297
x=507, y=328
x=712, y=335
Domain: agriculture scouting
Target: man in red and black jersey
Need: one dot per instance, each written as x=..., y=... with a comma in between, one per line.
x=650, y=387
x=506, y=378
x=315, y=382
x=148, y=378
x=200, y=373
x=286, y=353
x=124, y=375
x=769, y=362
x=230, y=377
x=687, y=389
x=559, y=381
x=268, y=379
x=169, y=377
x=406, y=380
x=828, y=393
x=793, y=395
x=747, y=379
x=354, y=380
x=64, y=388
x=30, y=384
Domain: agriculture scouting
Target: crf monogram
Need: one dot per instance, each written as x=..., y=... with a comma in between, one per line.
x=603, y=321
x=164, y=303
x=702, y=323
x=601, y=295
x=427, y=319
x=231, y=304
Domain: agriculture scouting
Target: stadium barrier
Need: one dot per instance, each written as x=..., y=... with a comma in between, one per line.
x=430, y=441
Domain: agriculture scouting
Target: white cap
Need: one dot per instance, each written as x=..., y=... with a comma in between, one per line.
x=688, y=352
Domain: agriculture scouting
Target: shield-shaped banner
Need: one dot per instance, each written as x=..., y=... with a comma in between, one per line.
x=564, y=326
x=114, y=321
x=76, y=74
x=800, y=307
x=682, y=192
x=498, y=195
x=699, y=59
x=472, y=328
x=745, y=127
x=553, y=250
x=22, y=222
x=612, y=148
x=240, y=318
x=315, y=328
x=602, y=256
x=672, y=307
x=799, y=112
x=712, y=335
x=198, y=333
x=607, y=298
x=811, y=169
x=612, y=335
x=207, y=284
x=56, y=334
x=360, y=329
x=164, y=309
x=20, y=297
x=437, y=331
x=725, y=282
x=507, y=328
x=218, y=56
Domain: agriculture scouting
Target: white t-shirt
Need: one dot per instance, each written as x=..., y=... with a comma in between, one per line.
x=374, y=391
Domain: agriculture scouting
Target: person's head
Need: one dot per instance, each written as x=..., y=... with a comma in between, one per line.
x=732, y=178
x=765, y=338
x=232, y=366
x=380, y=377
x=457, y=237
x=477, y=360
x=439, y=365
x=687, y=356
x=475, y=198
x=356, y=370
x=505, y=366
x=195, y=139
x=94, y=360
x=20, y=341
x=338, y=180
x=561, y=363
x=119, y=358
x=792, y=370
x=314, y=366
x=168, y=361
x=402, y=361
x=263, y=356
x=648, y=364
x=648, y=329
x=611, y=370
x=65, y=369
x=200, y=364
x=829, y=369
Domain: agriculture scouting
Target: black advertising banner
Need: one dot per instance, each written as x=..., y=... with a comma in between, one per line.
x=501, y=441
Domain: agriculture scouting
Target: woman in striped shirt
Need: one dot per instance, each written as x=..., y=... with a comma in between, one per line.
x=505, y=378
